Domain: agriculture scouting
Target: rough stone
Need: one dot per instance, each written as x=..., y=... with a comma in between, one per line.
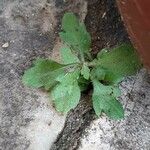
x=132, y=133
x=27, y=119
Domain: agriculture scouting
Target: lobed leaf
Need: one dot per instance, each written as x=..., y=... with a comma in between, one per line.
x=119, y=62
x=66, y=94
x=67, y=56
x=43, y=73
x=74, y=33
x=104, y=100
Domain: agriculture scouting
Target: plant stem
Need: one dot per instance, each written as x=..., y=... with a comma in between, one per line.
x=82, y=56
x=72, y=64
x=90, y=56
x=93, y=64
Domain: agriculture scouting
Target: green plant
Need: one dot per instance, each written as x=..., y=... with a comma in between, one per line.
x=78, y=69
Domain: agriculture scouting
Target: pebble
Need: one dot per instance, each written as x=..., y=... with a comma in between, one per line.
x=5, y=45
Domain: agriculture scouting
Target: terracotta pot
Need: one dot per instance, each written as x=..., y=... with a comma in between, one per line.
x=136, y=16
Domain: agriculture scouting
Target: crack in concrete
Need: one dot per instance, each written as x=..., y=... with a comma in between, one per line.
x=69, y=138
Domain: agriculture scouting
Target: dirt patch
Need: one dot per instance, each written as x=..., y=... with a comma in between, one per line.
x=105, y=26
x=76, y=121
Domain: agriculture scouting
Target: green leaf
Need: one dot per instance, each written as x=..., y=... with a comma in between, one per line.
x=43, y=73
x=69, y=22
x=67, y=56
x=83, y=83
x=66, y=94
x=102, y=52
x=120, y=62
x=98, y=73
x=74, y=33
x=104, y=100
x=85, y=71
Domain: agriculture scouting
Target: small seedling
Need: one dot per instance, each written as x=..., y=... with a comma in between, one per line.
x=65, y=81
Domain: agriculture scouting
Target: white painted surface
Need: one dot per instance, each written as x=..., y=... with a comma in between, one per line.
x=45, y=127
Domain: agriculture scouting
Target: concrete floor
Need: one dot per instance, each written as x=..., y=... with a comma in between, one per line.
x=27, y=119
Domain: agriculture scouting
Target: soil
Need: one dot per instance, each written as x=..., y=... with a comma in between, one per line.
x=106, y=28
x=76, y=121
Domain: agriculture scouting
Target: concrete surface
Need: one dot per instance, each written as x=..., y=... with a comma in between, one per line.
x=132, y=133
x=28, y=29
x=27, y=121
